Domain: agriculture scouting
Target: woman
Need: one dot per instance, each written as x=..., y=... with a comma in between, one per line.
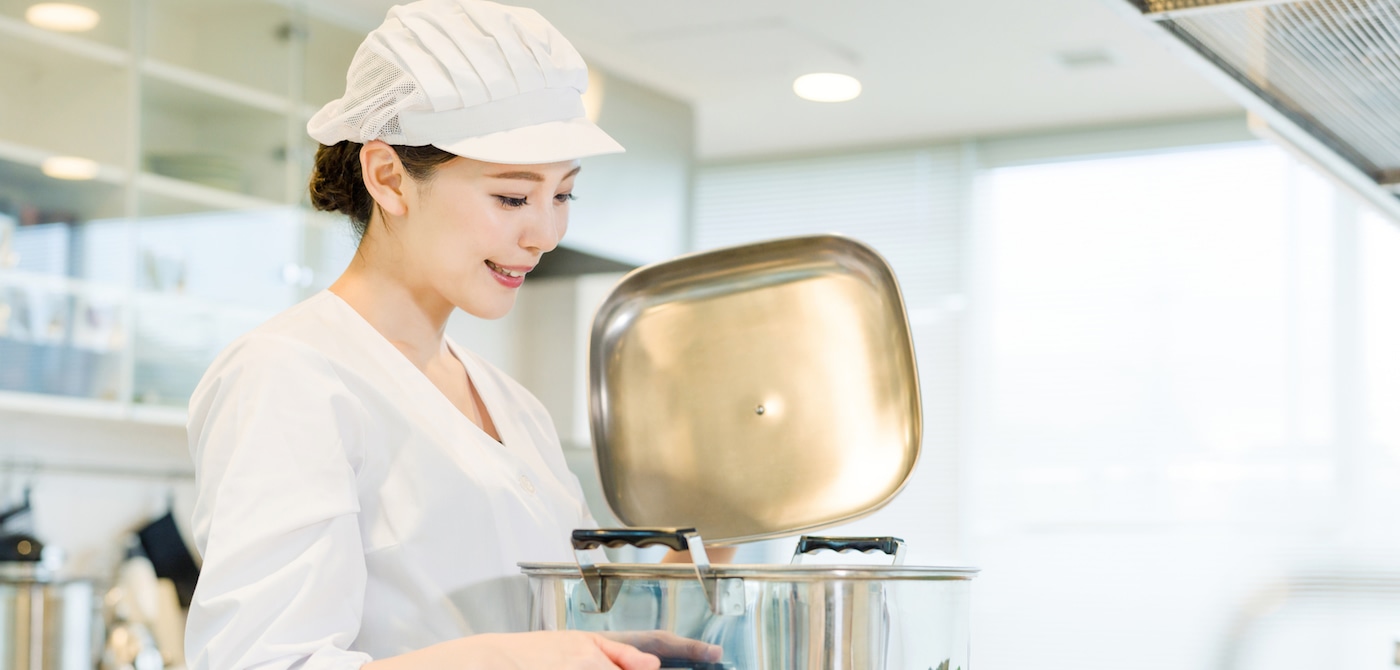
x=365, y=485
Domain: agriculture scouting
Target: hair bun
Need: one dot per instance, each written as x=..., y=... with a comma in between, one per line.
x=337, y=186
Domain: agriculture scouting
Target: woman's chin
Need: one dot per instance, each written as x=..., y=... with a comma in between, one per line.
x=488, y=309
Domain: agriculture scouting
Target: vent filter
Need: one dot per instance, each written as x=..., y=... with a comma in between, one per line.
x=1332, y=67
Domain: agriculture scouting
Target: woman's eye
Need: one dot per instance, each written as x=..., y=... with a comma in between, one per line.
x=508, y=201
x=564, y=197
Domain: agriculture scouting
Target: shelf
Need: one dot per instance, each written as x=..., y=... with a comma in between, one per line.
x=217, y=88
x=102, y=197
x=190, y=197
x=58, y=284
x=172, y=338
x=107, y=410
x=195, y=228
x=224, y=89
x=27, y=37
x=195, y=136
x=60, y=337
x=62, y=406
x=19, y=154
x=209, y=141
x=19, y=31
x=68, y=100
x=246, y=43
x=163, y=301
x=158, y=416
x=24, y=186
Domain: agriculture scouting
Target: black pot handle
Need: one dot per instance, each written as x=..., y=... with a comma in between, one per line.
x=587, y=543
x=889, y=545
x=674, y=538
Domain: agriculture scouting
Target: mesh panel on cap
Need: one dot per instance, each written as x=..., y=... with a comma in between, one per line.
x=378, y=90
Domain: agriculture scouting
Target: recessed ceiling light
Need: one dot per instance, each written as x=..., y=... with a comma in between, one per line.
x=69, y=167
x=62, y=17
x=826, y=87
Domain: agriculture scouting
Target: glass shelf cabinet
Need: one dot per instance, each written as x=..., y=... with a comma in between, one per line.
x=185, y=224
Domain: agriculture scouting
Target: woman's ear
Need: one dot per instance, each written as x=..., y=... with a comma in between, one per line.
x=385, y=177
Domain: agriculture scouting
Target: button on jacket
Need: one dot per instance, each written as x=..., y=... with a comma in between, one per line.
x=348, y=511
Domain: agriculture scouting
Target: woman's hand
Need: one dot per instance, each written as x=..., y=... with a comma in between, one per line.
x=666, y=644
x=555, y=650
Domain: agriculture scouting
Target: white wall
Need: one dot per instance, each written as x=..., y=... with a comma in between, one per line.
x=636, y=206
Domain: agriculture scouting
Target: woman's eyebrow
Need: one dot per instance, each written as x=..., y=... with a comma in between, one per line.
x=530, y=176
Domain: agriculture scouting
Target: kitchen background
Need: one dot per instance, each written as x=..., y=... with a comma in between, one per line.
x=1158, y=355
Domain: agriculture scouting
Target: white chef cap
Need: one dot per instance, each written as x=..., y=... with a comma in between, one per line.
x=474, y=78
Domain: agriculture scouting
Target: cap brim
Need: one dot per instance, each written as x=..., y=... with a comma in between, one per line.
x=551, y=142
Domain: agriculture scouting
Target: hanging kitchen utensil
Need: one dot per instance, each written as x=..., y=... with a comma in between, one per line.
x=166, y=548
x=18, y=547
x=17, y=510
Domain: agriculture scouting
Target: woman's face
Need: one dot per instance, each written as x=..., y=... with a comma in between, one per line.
x=474, y=229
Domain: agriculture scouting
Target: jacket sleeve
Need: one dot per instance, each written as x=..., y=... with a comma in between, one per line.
x=275, y=438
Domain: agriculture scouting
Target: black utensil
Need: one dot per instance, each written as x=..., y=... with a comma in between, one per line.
x=20, y=548
x=166, y=549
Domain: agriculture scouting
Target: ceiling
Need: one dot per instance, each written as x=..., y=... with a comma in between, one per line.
x=930, y=68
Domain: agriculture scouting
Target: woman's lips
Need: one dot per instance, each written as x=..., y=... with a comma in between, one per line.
x=507, y=275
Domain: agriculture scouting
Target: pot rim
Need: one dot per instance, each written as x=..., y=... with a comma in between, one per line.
x=774, y=573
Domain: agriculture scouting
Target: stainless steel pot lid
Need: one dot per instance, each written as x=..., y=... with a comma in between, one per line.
x=754, y=392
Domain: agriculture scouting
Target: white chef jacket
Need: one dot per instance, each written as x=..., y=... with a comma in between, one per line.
x=348, y=511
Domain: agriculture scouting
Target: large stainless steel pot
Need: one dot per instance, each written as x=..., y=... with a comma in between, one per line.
x=754, y=392
x=764, y=617
x=46, y=625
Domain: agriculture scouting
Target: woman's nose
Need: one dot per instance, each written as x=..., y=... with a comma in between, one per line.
x=544, y=229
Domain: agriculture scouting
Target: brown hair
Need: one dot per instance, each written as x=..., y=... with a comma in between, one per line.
x=337, y=185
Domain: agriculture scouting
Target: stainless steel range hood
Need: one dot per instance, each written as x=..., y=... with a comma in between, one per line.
x=1321, y=76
